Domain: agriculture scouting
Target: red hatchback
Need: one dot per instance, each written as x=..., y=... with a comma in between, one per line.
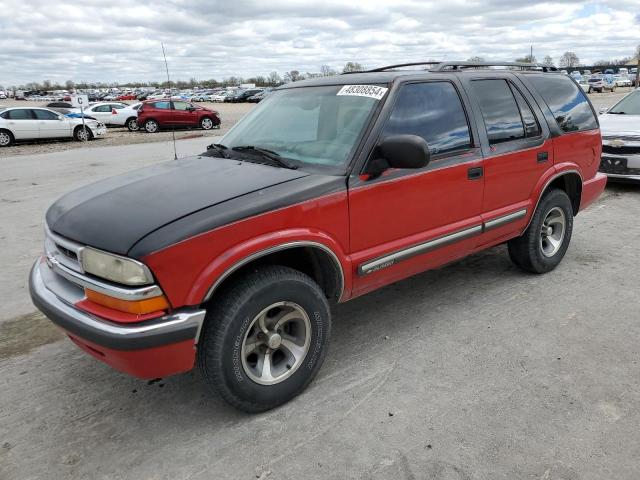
x=156, y=114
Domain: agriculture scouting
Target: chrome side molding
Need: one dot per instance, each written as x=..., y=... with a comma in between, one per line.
x=390, y=259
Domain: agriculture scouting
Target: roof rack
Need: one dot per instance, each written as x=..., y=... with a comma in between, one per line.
x=413, y=64
x=520, y=65
x=443, y=66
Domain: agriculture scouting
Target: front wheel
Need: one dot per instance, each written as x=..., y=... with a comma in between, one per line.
x=206, y=123
x=82, y=134
x=6, y=138
x=265, y=338
x=544, y=243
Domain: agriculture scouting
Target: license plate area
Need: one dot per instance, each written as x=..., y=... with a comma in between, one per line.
x=613, y=165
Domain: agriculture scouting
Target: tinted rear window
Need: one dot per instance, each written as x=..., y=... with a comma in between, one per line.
x=499, y=109
x=567, y=102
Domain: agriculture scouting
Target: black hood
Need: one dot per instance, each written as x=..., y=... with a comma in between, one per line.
x=116, y=213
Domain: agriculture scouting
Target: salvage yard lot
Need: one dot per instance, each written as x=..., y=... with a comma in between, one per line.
x=475, y=370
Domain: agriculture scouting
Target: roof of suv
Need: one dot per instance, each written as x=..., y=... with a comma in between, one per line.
x=389, y=74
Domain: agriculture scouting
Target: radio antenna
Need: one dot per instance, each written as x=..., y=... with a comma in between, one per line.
x=173, y=130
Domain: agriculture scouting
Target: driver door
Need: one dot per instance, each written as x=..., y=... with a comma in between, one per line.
x=409, y=220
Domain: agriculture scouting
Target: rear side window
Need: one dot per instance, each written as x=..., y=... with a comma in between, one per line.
x=531, y=125
x=567, y=102
x=162, y=105
x=20, y=114
x=499, y=110
x=434, y=112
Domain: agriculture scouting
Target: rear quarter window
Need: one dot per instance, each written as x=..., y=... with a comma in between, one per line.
x=567, y=102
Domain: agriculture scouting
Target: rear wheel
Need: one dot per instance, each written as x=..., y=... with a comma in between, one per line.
x=151, y=126
x=265, y=338
x=132, y=124
x=543, y=245
x=206, y=123
x=82, y=134
x=6, y=138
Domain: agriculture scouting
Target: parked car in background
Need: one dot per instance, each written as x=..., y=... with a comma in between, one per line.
x=18, y=124
x=584, y=84
x=113, y=114
x=220, y=96
x=242, y=95
x=127, y=96
x=620, y=127
x=259, y=96
x=154, y=115
x=598, y=83
x=621, y=81
x=61, y=107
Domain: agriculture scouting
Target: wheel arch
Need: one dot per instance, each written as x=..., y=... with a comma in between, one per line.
x=312, y=258
x=570, y=181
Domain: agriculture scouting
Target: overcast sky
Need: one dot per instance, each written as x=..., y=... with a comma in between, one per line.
x=118, y=40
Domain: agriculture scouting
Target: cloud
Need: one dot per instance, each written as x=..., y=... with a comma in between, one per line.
x=119, y=41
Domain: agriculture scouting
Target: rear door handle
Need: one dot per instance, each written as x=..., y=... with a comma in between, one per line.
x=543, y=157
x=474, y=173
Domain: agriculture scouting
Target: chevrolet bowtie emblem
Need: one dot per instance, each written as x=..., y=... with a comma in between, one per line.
x=617, y=143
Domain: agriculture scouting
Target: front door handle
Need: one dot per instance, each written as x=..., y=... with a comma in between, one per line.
x=543, y=157
x=474, y=173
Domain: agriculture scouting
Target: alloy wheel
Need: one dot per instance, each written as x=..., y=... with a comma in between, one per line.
x=276, y=343
x=552, y=232
x=5, y=139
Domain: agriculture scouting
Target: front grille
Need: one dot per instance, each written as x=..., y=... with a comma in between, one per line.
x=624, y=150
x=67, y=253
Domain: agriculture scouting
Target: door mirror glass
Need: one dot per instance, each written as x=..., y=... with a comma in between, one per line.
x=60, y=117
x=603, y=110
x=400, y=151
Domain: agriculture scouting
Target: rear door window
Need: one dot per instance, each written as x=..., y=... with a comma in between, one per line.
x=567, y=102
x=20, y=114
x=45, y=115
x=162, y=105
x=434, y=112
x=531, y=125
x=499, y=110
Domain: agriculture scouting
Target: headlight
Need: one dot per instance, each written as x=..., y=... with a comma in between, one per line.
x=115, y=268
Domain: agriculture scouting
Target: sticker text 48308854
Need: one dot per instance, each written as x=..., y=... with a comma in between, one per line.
x=371, y=91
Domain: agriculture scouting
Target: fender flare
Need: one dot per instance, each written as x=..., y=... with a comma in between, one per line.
x=228, y=262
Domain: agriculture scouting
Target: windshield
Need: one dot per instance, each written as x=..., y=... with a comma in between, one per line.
x=311, y=125
x=629, y=105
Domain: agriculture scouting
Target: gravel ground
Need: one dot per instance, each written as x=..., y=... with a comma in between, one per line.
x=230, y=113
x=472, y=371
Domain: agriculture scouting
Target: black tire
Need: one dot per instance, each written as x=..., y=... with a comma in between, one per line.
x=78, y=134
x=206, y=123
x=528, y=250
x=229, y=322
x=132, y=124
x=151, y=126
x=590, y=90
x=6, y=138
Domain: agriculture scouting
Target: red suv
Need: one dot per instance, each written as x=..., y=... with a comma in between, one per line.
x=332, y=188
x=156, y=114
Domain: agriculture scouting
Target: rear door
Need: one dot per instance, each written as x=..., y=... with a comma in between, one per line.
x=23, y=123
x=517, y=152
x=408, y=220
x=50, y=125
x=102, y=113
x=182, y=116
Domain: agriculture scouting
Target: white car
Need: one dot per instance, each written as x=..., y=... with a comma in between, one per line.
x=113, y=113
x=620, y=128
x=41, y=123
x=621, y=81
x=220, y=96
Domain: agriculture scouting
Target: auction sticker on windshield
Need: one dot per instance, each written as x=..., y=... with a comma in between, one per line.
x=371, y=91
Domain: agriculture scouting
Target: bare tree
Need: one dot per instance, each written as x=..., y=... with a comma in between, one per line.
x=274, y=78
x=327, y=71
x=293, y=76
x=527, y=59
x=352, y=67
x=475, y=59
x=569, y=59
x=548, y=61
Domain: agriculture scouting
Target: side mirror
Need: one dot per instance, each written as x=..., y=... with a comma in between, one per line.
x=400, y=151
x=603, y=110
x=191, y=109
x=60, y=117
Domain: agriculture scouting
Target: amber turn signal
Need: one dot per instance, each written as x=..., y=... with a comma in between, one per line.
x=148, y=305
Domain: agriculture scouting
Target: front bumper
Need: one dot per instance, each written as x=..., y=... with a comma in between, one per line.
x=149, y=349
x=621, y=166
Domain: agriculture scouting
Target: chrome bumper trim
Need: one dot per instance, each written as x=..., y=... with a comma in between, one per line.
x=178, y=326
x=122, y=293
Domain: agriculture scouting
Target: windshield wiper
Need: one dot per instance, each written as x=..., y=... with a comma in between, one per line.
x=618, y=113
x=219, y=148
x=268, y=154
